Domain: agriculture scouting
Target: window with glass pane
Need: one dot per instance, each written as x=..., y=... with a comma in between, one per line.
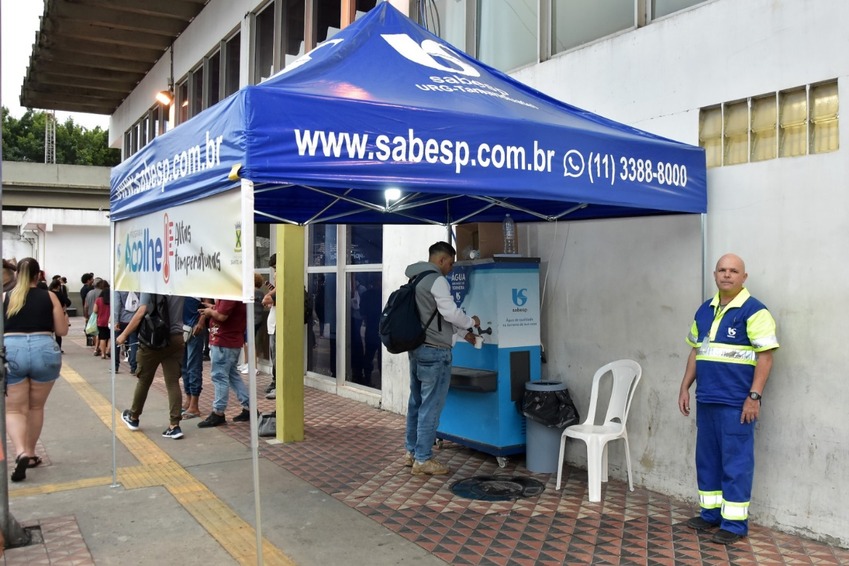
x=764, y=119
x=232, y=63
x=262, y=245
x=793, y=122
x=364, y=6
x=365, y=244
x=660, y=8
x=507, y=33
x=294, y=28
x=576, y=22
x=447, y=19
x=196, y=91
x=182, y=102
x=363, y=349
x=736, y=135
x=264, y=44
x=824, y=120
x=321, y=331
x=327, y=19
x=710, y=135
x=322, y=242
x=128, y=143
x=214, y=79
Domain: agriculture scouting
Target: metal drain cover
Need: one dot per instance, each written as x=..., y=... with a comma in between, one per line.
x=497, y=488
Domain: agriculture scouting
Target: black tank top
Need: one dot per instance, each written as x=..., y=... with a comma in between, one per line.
x=35, y=316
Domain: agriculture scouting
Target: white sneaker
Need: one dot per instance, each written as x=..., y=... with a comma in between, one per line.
x=243, y=370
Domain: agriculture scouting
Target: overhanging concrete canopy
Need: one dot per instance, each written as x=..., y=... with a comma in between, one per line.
x=90, y=54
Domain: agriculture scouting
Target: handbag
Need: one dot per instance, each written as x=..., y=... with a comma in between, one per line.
x=91, y=325
x=267, y=425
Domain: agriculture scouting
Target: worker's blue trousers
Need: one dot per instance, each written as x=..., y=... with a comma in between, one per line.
x=725, y=464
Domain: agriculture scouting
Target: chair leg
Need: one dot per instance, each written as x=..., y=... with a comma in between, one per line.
x=560, y=460
x=628, y=464
x=604, y=463
x=594, y=457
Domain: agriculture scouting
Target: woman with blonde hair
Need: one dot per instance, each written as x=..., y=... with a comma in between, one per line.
x=31, y=318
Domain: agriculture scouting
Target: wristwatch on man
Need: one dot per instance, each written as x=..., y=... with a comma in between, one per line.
x=754, y=395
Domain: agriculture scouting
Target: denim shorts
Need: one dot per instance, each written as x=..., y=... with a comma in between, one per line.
x=36, y=356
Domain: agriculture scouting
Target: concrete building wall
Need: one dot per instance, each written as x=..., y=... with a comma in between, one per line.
x=629, y=288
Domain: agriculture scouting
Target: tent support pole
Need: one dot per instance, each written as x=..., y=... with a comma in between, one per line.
x=248, y=259
x=113, y=315
x=703, y=217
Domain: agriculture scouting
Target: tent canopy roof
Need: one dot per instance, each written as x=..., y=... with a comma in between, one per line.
x=384, y=104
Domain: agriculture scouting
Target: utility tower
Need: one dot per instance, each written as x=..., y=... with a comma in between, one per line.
x=50, y=137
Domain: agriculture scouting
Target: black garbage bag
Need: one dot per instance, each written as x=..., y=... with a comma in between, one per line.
x=553, y=409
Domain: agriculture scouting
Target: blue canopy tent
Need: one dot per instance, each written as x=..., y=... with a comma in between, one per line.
x=385, y=104
x=381, y=105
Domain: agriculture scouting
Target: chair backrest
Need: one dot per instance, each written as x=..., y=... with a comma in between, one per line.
x=626, y=375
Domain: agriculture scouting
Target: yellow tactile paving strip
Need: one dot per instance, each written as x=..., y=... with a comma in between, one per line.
x=157, y=468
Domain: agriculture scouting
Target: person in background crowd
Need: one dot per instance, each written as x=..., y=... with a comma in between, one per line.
x=732, y=340
x=61, y=291
x=32, y=317
x=148, y=359
x=87, y=280
x=269, y=300
x=259, y=319
x=10, y=273
x=42, y=280
x=226, y=334
x=90, y=298
x=192, y=365
x=125, y=315
x=56, y=288
x=430, y=363
x=103, y=310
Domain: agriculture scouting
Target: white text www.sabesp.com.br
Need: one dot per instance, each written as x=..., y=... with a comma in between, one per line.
x=413, y=149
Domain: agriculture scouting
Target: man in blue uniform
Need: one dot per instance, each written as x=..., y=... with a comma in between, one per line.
x=733, y=338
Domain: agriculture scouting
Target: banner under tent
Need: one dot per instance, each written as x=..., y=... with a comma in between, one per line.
x=384, y=123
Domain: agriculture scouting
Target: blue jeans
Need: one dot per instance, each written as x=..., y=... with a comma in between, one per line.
x=132, y=348
x=34, y=356
x=225, y=375
x=430, y=376
x=192, y=366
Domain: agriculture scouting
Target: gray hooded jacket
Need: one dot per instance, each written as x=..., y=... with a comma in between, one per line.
x=434, y=292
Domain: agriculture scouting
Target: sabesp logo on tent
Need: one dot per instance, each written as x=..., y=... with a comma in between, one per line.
x=435, y=55
x=427, y=54
x=147, y=252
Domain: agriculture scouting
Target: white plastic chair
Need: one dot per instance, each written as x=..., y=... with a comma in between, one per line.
x=626, y=375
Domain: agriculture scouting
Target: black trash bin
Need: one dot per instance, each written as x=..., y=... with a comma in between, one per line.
x=548, y=409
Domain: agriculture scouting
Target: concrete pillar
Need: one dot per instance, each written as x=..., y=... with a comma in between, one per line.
x=290, y=332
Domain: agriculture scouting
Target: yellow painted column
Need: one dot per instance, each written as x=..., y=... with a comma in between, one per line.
x=290, y=332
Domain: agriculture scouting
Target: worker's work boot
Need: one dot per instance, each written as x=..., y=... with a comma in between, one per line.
x=432, y=467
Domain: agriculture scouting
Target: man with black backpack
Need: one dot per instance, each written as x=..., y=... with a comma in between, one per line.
x=430, y=363
x=156, y=311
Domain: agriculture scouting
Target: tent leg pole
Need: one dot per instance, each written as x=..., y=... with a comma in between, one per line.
x=704, y=254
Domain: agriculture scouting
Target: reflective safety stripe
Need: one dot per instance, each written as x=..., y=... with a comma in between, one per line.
x=735, y=511
x=765, y=343
x=725, y=353
x=710, y=499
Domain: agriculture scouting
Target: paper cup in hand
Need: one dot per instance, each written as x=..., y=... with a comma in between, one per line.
x=478, y=342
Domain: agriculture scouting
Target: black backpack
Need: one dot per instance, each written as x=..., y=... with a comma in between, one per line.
x=401, y=328
x=155, y=328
